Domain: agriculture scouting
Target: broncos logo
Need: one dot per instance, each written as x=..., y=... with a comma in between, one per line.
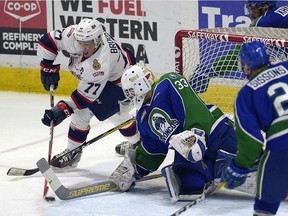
x=160, y=124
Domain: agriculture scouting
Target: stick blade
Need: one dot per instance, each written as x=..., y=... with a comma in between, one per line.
x=64, y=193
x=52, y=179
x=13, y=171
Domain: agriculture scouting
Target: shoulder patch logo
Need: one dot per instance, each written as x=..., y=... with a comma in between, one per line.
x=173, y=76
x=96, y=65
x=70, y=32
x=162, y=124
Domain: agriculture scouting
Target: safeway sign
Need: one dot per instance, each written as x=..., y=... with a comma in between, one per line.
x=22, y=10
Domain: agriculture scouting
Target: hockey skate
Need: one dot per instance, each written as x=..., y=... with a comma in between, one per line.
x=121, y=148
x=67, y=161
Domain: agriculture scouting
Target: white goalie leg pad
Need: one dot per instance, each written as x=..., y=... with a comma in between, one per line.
x=172, y=182
x=124, y=175
x=190, y=144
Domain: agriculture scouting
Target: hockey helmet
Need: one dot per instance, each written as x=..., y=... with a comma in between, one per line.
x=254, y=55
x=136, y=83
x=89, y=29
x=259, y=4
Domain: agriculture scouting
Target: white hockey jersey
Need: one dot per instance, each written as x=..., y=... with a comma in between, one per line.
x=108, y=63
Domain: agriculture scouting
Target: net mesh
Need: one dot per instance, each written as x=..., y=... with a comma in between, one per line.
x=208, y=58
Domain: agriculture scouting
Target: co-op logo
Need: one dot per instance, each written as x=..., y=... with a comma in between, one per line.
x=22, y=10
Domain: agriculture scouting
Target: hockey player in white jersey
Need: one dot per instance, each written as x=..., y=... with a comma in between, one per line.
x=98, y=61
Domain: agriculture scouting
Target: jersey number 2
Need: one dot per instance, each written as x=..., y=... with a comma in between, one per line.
x=281, y=100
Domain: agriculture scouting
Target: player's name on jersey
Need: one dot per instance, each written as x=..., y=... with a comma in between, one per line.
x=262, y=78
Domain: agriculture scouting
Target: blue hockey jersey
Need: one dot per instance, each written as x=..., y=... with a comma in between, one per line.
x=262, y=106
x=276, y=18
x=173, y=108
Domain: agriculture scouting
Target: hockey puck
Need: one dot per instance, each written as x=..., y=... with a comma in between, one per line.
x=49, y=198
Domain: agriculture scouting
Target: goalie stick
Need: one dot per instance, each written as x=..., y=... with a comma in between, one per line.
x=197, y=200
x=65, y=193
x=14, y=171
x=189, y=205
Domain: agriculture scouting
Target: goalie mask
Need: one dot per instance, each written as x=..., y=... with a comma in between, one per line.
x=89, y=29
x=136, y=83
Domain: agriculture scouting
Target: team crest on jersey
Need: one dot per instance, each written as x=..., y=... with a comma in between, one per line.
x=161, y=124
x=96, y=65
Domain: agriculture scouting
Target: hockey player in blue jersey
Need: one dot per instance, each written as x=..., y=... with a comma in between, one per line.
x=267, y=14
x=261, y=106
x=171, y=115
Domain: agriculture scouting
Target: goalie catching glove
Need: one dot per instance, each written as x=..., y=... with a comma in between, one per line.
x=125, y=174
x=57, y=114
x=190, y=144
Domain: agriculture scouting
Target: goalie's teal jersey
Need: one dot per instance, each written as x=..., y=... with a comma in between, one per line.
x=262, y=106
x=174, y=107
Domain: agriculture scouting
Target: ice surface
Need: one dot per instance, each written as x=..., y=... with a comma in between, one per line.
x=24, y=140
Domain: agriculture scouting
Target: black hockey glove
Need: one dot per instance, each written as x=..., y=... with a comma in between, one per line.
x=49, y=74
x=57, y=114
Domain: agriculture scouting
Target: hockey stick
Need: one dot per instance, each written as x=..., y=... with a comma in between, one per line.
x=13, y=171
x=65, y=193
x=46, y=187
x=196, y=200
x=189, y=205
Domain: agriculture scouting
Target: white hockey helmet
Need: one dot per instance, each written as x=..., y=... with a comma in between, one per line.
x=89, y=29
x=136, y=83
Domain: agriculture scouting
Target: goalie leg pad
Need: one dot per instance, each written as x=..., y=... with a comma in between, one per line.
x=194, y=186
x=172, y=182
x=192, y=181
x=124, y=175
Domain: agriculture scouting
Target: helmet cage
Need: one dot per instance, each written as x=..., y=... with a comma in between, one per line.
x=135, y=85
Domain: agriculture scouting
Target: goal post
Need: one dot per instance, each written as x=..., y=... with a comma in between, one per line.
x=208, y=58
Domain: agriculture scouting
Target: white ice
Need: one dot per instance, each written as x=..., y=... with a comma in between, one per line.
x=24, y=140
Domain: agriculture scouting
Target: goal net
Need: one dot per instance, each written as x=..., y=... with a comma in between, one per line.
x=208, y=58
